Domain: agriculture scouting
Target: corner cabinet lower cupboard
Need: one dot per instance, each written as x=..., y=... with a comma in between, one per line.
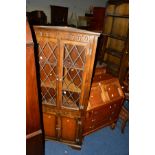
x=66, y=59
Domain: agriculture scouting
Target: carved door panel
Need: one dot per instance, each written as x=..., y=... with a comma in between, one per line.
x=48, y=59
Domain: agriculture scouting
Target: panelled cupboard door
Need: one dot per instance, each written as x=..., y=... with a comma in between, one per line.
x=68, y=131
x=50, y=121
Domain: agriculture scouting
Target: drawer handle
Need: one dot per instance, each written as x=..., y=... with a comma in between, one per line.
x=91, y=127
x=93, y=120
x=110, y=107
x=112, y=95
x=57, y=128
x=95, y=112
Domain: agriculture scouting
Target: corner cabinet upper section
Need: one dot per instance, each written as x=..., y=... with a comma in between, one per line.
x=66, y=58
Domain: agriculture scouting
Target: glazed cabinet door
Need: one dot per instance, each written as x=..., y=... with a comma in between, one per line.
x=48, y=59
x=75, y=65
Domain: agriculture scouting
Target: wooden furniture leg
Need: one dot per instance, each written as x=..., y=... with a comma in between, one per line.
x=124, y=116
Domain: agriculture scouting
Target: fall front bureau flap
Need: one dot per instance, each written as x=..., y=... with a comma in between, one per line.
x=105, y=89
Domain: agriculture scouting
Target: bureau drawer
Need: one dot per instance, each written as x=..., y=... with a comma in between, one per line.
x=88, y=127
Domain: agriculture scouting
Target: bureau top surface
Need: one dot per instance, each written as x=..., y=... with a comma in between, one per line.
x=67, y=29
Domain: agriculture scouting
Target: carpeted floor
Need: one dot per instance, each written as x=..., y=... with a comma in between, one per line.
x=102, y=142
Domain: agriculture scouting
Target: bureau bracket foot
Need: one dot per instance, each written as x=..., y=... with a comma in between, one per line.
x=113, y=125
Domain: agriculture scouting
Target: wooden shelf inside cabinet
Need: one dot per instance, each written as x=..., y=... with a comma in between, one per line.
x=114, y=36
x=113, y=68
x=114, y=52
x=112, y=65
x=118, y=2
x=119, y=16
x=72, y=88
x=113, y=72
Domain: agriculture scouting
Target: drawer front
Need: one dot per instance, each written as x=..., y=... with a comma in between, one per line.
x=112, y=91
x=49, y=122
x=101, y=116
x=94, y=125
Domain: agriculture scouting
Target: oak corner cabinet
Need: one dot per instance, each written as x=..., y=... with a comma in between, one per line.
x=66, y=59
x=34, y=136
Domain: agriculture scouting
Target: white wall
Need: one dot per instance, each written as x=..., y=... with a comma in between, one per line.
x=78, y=6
